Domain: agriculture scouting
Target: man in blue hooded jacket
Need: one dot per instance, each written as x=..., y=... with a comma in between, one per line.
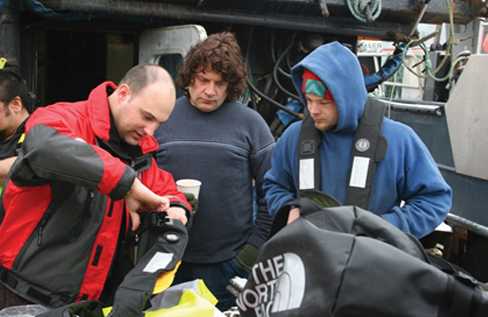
x=407, y=189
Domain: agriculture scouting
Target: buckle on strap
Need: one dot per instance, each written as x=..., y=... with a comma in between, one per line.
x=159, y=220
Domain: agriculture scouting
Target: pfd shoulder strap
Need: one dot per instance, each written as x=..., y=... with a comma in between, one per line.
x=369, y=148
x=308, y=156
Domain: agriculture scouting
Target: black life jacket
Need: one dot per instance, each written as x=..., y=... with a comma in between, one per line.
x=369, y=148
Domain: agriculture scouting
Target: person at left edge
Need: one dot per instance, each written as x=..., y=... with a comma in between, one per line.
x=16, y=103
x=84, y=172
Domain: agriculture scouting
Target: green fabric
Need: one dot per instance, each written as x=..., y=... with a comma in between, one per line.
x=315, y=87
x=323, y=200
x=192, y=200
x=247, y=257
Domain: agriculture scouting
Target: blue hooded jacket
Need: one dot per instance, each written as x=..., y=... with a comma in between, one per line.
x=408, y=189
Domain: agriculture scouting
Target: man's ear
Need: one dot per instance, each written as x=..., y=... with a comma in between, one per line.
x=123, y=92
x=16, y=105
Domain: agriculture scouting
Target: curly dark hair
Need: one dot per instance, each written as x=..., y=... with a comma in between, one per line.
x=221, y=53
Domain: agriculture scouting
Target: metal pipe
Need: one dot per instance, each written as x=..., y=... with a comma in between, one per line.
x=394, y=84
x=419, y=107
x=468, y=224
x=446, y=168
x=419, y=18
x=172, y=11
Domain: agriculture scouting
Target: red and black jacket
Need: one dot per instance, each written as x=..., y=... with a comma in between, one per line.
x=63, y=208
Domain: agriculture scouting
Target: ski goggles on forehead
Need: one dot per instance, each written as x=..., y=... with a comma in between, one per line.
x=313, y=85
x=316, y=87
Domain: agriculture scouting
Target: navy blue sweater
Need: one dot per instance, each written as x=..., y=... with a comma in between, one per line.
x=226, y=150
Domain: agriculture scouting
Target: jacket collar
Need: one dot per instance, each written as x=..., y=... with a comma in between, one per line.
x=99, y=114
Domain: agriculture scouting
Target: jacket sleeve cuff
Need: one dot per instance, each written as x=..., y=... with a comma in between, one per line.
x=281, y=217
x=124, y=184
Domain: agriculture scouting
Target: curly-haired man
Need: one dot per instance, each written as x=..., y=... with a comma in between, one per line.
x=227, y=146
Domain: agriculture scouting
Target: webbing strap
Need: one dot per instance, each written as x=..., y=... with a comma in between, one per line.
x=309, y=156
x=30, y=292
x=369, y=148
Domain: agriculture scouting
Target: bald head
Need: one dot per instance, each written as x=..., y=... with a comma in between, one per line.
x=141, y=76
x=143, y=100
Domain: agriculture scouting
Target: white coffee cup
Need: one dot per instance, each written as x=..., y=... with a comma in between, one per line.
x=189, y=186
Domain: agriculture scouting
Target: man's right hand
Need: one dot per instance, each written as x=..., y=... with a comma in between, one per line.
x=140, y=198
x=293, y=215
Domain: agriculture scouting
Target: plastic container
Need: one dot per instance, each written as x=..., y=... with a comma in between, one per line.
x=23, y=311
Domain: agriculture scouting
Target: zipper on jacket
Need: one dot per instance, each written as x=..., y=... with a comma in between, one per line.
x=40, y=229
x=45, y=218
x=37, y=237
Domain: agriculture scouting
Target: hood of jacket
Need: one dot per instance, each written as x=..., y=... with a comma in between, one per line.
x=339, y=70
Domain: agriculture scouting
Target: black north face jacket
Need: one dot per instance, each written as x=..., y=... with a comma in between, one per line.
x=348, y=262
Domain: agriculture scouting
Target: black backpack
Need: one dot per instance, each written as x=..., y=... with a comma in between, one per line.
x=345, y=261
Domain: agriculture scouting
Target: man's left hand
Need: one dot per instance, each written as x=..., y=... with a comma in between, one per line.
x=177, y=213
